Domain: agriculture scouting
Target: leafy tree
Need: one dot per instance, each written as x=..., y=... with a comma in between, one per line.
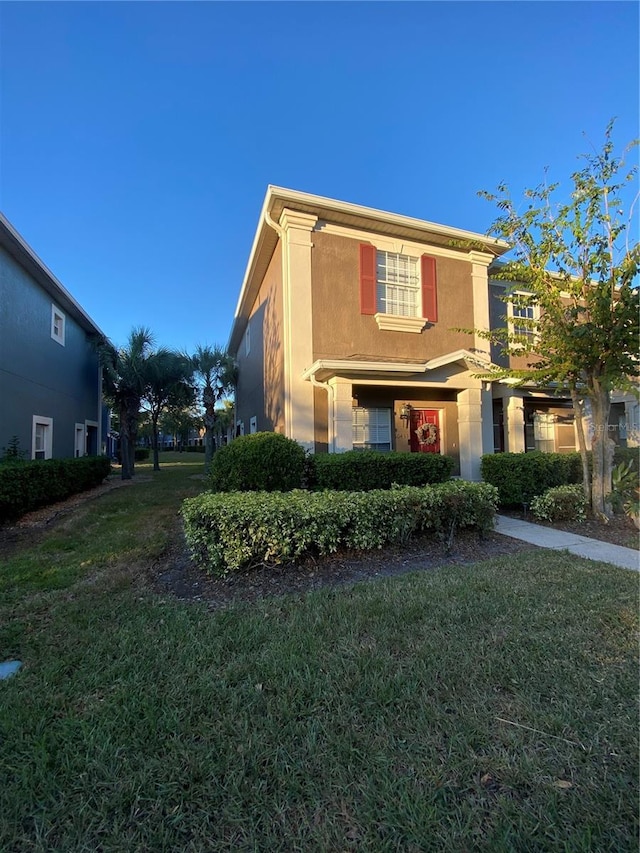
x=225, y=415
x=178, y=421
x=125, y=379
x=574, y=261
x=168, y=377
x=216, y=374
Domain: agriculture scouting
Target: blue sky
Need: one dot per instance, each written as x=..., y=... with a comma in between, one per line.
x=138, y=139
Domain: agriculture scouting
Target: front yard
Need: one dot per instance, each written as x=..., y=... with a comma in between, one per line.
x=472, y=707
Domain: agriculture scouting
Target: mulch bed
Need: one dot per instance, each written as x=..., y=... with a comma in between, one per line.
x=177, y=576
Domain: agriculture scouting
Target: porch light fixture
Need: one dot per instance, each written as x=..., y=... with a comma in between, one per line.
x=405, y=412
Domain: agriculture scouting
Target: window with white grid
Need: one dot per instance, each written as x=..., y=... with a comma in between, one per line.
x=371, y=429
x=398, y=289
x=526, y=312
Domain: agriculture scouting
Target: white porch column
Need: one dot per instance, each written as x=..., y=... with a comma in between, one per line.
x=470, y=432
x=340, y=415
x=480, y=284
x=297, y=326
x=487, y=419
x=514, y=422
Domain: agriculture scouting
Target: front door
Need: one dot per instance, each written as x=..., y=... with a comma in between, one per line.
x=425, y=431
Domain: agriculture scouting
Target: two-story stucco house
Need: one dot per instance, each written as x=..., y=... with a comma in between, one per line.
x=346, y=336
x=50, y=377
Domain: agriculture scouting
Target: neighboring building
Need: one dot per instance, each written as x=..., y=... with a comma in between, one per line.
x=347, y=335
x=50, y=377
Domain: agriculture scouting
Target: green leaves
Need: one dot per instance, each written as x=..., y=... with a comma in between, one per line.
x=229, y=532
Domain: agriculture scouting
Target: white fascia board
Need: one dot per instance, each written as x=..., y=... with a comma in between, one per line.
x=322, y=203
x=458, y=355
x=287, y=195
x=346, y=366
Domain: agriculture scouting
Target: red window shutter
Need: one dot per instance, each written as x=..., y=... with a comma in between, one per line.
x=368, y=278
x=429, y=289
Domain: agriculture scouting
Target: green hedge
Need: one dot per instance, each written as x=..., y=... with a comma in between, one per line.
x=519, y=477
x=358, y=471
x=622, y=455
x=25, y=486
x=195, y=448
x=262, y=461
x=228, y=532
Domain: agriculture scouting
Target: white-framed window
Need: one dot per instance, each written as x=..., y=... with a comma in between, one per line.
x=240, y=428
x=398, y=285
x=371, y=429
x=544, y=433
x=41, y=437
x=58, y=324
x=247, y=338
x=253, y=425
x=521, y=310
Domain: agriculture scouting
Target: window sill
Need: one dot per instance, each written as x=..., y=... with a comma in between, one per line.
x=392, y=323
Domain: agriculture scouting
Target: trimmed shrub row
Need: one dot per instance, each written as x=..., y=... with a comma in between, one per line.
x=228, y=532
x=25, y=486
x=267, y=461
x=365, y=470
x=519, y=477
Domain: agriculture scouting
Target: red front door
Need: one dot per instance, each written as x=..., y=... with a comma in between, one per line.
x=424, y=433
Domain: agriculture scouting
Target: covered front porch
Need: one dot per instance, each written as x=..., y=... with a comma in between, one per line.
x=433, y=407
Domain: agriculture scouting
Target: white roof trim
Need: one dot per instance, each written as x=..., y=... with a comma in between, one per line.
x=287, y=195
x=351, y=366
x=459, y=355
x=348, y=366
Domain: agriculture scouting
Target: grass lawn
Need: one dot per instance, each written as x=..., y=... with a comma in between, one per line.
x=491, y=707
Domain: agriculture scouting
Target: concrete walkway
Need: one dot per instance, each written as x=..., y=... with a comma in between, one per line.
x=558, y=540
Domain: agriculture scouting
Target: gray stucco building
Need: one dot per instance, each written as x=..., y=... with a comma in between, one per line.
x=50, y=377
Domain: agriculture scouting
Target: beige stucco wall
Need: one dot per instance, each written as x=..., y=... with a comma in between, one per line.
x=341, y=331
x=260, y=389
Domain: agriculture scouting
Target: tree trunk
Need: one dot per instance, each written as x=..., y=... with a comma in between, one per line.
x=602, y=453
x=129, y=424
x=125, y=445
x=209, y=401
x=154, y=440
x=578, y=410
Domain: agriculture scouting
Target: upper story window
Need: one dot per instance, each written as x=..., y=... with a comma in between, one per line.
x=520, y=310
x=247, y=339
x=399, y=290
x=58, y=324
x=398, y=285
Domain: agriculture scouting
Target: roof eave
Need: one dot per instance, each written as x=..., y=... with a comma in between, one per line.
x=277, y=198
x=20, y=250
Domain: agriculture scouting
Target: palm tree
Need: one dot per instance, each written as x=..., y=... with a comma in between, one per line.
x=216, y=373
x=168, y=384
x=125, y=381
